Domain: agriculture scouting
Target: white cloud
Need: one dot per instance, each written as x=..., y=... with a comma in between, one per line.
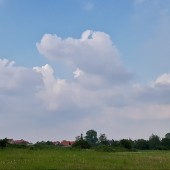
x=77, y=73
x=98, y=70
x=53, y=105
x=155, y=93
x=44, y=103
x=90, y=43
x=163, y=80
x=94, y=53
x=14, y=78
x=52, y=88
x=133, y=102
x=5, y=62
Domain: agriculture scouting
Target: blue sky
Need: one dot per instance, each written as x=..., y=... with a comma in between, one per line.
x=131, y=24
x=79, y=60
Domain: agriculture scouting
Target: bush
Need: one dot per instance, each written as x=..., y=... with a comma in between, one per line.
x=81, y=144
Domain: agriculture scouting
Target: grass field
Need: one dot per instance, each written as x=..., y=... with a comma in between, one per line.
x=82, y=159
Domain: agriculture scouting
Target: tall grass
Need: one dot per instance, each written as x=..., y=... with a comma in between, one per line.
x=81, y=159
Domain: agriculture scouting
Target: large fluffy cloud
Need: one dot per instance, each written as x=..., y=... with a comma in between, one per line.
x=98, y=96
x=126, y=102
x=94, y=53
x=15, y=78
x=86, y=93
x=52, y=89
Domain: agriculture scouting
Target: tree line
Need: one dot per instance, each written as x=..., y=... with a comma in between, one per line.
x=101, y=142
x=92, y=140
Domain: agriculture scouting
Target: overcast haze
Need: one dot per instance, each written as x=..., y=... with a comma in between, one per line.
x=67, y=66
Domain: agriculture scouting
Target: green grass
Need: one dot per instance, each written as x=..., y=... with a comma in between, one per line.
x=11, y=158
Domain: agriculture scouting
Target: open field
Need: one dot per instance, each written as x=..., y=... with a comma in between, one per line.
x=82, y=159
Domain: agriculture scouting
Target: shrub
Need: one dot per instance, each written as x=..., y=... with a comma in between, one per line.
x=81, y=144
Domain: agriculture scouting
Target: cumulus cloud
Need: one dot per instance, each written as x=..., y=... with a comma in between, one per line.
x=156, y=92
x=97, y=60
x=99, y=95
x=54, y=47
x=54, y=105
x=163, y=79
x=98, y=71
x=94, y=53
x=52, y=88
x=15, y=78
x=140, y=101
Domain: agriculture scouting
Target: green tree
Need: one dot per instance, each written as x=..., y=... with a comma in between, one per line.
x=141, y=144
x=114, y=143
x=81, y=144
x=166, y=143
x=79, y=137
x=167, y=135
x=154, y=142
x=126, y=143
x=3, y=142
x=49, y=143
x=103, y=139
x=91, y=137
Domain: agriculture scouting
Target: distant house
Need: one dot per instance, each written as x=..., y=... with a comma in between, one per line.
x=67, y=143
x=18, y=142
x=10, y=141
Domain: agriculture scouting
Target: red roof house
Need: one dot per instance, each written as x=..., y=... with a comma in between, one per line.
x=67, y=143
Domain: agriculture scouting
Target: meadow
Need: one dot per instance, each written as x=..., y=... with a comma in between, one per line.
x=65, y=158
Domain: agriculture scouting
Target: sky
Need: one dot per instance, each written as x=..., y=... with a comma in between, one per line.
x=68, y=66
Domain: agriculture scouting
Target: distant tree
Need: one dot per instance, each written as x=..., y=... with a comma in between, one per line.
x=83, y=144
x=126, y=143
x=40, y=143
x=154, y=142
x=103, y=139
x=49, y=143
x=167, y=135
x=79, y=137
x=165, y=143
x=141, y=144
x=3, y=142
x=114, y=143
x=91, y=137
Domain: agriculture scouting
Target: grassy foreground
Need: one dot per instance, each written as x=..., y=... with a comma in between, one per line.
x=82, y=159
